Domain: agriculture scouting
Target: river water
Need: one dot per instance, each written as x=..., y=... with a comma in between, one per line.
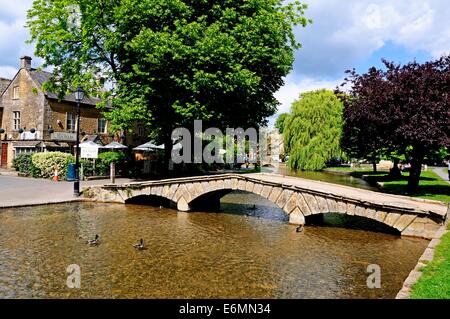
x=237, y=252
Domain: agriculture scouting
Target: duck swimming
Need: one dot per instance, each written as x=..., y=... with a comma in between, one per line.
x=94, y=242
x=252, y=208
x=140, y=245
x=299, y=228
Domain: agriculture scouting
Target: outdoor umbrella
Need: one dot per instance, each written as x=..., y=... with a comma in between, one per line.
x=115, y=146
x=148, y=147
x=89, y=144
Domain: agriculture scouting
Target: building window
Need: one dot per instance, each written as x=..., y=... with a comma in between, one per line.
x=71, y=123
x=101, y=126
x=141, y=131
x=24, y=150
x=16, y=121
x=15, y=92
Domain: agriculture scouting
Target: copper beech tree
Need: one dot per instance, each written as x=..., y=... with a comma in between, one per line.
x=403, y=109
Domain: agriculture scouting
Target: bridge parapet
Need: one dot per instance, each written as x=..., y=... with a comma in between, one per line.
x=298, y=198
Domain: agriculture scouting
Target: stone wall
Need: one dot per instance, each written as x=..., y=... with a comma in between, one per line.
x=57, y=113
x=29, y=104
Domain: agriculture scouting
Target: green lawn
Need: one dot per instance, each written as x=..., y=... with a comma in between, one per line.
x=431, y=186
x=435, y=281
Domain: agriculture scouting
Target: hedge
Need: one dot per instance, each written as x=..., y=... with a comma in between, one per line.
x=43, y=165
x=23, y=164
x=47, y=162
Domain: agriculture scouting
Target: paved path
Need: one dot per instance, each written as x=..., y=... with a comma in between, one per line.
x=355, y=193
x=442, y=172
x=24, y=191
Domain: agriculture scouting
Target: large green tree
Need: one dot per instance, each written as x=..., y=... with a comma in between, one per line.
x=313, y=130
x=171, y=61
x=279, y=122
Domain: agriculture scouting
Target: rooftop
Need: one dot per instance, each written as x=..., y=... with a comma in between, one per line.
x=43, y=76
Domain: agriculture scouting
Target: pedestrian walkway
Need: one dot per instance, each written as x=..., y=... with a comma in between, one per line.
x=25, y=191
x=442, y=172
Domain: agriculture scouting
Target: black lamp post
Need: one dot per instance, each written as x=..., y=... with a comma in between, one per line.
x=79, y=95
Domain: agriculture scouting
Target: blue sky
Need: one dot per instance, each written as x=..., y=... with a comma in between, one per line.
x=345, y=34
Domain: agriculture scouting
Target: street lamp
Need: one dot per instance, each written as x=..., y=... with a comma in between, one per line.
x=79, y=95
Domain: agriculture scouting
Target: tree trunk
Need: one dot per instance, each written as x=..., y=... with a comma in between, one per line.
x=395, y=171
x=414, y=174
x=374, y=165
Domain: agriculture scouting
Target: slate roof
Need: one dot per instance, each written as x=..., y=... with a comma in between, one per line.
x=40, y=77
x=4, y=84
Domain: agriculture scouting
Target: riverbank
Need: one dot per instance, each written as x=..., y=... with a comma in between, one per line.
x=434, y=282
x=429, y=279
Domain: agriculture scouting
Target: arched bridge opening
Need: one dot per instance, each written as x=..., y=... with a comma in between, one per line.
x=151, y=200
x=350, y=222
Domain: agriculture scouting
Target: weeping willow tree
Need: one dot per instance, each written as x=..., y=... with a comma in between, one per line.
x=313, y=130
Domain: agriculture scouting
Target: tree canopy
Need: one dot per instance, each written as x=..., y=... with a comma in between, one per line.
x=169, y=62
x=401, y=108
x=279, y=123
x=313, y=130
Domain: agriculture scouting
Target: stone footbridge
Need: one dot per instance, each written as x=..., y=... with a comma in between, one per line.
x=299, y=198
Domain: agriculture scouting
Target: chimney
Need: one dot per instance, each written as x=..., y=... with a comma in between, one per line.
x=25, y=62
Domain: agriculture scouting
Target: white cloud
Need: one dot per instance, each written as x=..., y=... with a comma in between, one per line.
x=291, y=90
x=347, y=32
x=13, y=35
x=7, y=72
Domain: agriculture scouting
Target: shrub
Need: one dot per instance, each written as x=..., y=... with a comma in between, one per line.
x=105, y=159
x=23, y=164
x=46, y=163
x=88, y=167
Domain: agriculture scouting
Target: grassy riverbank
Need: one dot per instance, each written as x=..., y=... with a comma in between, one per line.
x=431, y=186
x=435, y=283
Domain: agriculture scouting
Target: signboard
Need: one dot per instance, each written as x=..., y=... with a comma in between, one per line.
x=64, y=136
x=89, y=152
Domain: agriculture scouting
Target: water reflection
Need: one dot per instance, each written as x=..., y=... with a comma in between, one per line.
x=239, y=252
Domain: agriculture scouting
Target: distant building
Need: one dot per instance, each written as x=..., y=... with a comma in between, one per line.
x=276, y=145
x=3, y=85
x=36, y=121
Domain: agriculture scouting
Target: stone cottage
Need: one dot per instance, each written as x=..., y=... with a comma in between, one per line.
x=35, y=121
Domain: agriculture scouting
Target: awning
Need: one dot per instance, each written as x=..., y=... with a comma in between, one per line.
x=27, y=144
x=55, y=145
